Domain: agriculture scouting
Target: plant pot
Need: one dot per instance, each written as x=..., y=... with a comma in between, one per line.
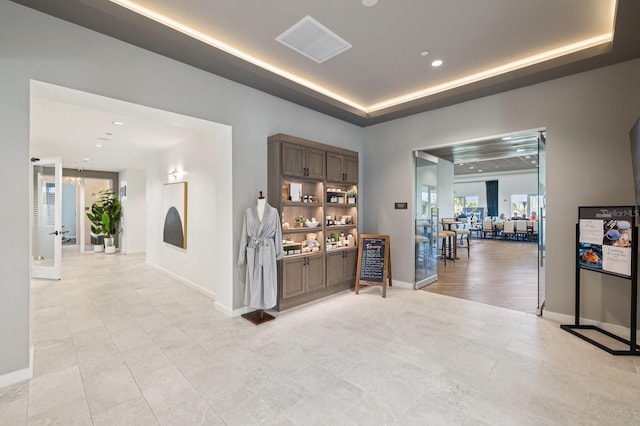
x=98, y=248
x=109, y=245
x=351, y=200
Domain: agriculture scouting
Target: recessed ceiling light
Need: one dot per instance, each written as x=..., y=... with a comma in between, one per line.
x=533, y=161
x=471, y=168
x=461, y=164
x=479, y=171
x=528, y=156
x=520, y=150
x=86, y=159
x=99, y=145
x=424, y=53
x=506, y=138
x=436, y=63
x=369, y=3
x=118, y=123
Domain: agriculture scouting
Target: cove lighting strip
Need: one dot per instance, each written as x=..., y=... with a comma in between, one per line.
x=492, y=72
x=432, y=90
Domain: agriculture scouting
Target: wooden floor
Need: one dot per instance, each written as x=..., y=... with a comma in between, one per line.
x=499, y=273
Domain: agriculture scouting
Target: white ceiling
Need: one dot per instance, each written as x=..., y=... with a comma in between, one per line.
x=383, y=63
x=480, y=41
x=69, y=124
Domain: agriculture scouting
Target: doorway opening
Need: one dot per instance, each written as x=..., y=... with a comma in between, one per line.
x=140, y=150
x=491, y=194
x=78, y=194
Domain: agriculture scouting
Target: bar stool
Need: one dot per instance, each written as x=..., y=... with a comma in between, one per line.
x=464, y=234
x=444, y=237
x=449, y=246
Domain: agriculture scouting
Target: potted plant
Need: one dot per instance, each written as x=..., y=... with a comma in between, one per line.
x=105, y=218
x=97, y=234
x=300, y=220
x=351, y=196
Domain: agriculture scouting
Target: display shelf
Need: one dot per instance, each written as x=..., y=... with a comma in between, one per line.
x=301, y=230
x=298, y=188
x=339, y=227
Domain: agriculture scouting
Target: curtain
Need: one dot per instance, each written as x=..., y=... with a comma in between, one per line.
x=492, y=197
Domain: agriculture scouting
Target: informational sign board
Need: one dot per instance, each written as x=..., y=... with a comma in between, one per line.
x=374, y=262
x=605, y=239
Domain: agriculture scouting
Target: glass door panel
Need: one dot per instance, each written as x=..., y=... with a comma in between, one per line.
x=542, y=219
x=426, y=223
x=46, y=218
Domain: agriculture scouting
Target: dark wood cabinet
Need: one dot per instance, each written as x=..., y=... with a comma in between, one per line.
x=342, y=168
x=298, y=160
x=341, y=266
x=299, y=185
x=292, y=277
x=302, y=274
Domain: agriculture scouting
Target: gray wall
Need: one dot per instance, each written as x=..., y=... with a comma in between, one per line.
x=587, y=116
x=74, y=57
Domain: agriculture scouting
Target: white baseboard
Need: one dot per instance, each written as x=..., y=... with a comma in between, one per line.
x=231, y=312
x=618, y=330
x=18, y=375
x=402, y=284
x=183, y=280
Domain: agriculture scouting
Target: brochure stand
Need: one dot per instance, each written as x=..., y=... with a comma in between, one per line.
x=581, y=248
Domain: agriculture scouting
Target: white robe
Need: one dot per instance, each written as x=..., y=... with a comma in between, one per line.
x=260, y=248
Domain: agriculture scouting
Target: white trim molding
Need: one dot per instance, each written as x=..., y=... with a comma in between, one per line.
x=618, y=330
x=184, y=281
x=18, y=375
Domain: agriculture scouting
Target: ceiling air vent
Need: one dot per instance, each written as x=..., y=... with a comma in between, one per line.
x=313, y=40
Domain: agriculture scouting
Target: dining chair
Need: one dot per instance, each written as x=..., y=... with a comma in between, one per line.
x=521, y=229
x=534, y=231
x=487, y=228
x=508, y=229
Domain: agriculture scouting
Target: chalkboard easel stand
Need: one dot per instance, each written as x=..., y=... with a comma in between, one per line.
x=571, y=328
x=374, y=262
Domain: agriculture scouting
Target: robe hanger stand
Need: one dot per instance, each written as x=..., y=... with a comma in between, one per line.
x=259, y=316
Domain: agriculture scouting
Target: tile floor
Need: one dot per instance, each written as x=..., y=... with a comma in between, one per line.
x=118, y=343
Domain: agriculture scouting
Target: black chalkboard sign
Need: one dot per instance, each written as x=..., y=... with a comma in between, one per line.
x=374, y=264
x=373, y=258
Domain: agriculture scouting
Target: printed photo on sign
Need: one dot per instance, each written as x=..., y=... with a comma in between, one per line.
x=617, y=233
x=590, y=256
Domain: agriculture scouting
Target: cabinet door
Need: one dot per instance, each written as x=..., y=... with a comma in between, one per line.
x=335, y=267
x=350, y=266
x=334, y=167
x=315, y=163
x=350, y=169
x=315, y=273
x=293, y=160
x=293, y=277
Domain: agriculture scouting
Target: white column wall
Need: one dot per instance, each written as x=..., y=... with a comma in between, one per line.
x=205, y=263
x=134, y=207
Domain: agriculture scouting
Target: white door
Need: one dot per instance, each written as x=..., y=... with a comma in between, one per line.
x=46, y=217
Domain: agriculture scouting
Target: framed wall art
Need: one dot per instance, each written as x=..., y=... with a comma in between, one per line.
x=174, y=204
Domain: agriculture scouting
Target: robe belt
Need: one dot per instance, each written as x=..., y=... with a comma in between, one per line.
x=259, y=242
